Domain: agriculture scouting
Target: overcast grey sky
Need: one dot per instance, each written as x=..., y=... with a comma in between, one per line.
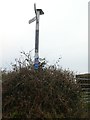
x=63, y=31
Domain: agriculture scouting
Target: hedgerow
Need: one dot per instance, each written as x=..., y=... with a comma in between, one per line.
x=49, y=92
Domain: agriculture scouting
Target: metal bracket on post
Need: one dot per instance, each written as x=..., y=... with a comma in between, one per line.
x=38, y=12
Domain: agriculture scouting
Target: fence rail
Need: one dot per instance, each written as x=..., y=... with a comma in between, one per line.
x=79, y=78
x=85, y=86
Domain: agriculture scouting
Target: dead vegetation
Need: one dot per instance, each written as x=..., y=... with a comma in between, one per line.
x=49, y=92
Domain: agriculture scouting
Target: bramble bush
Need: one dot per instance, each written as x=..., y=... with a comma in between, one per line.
x=49, y=92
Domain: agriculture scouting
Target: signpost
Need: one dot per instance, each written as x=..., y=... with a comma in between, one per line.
x=38, y=12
